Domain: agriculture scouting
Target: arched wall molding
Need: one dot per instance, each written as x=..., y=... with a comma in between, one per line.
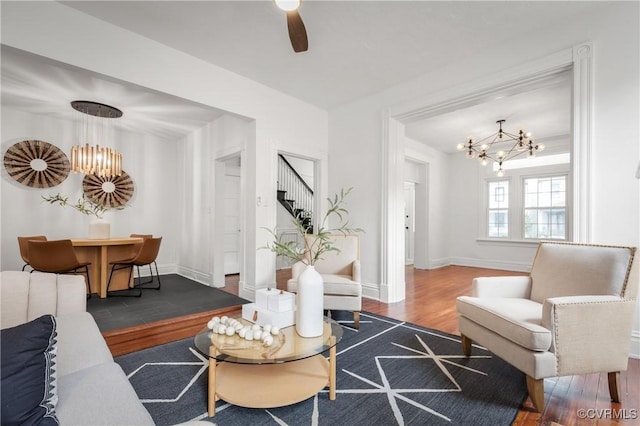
x=579, y=59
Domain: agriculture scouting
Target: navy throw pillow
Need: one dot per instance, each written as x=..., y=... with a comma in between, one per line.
x=28, y=374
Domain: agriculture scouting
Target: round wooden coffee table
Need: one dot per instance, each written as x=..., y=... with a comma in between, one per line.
x=248, y=374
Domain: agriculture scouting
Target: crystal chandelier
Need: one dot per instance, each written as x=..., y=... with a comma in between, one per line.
x=500, y=147
x=95, y=160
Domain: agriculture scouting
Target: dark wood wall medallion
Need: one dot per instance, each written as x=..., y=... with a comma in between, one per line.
x=37, y=164
x=112, y=192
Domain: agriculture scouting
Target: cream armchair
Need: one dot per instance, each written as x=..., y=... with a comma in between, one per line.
x=340, y=273
x=572, y=315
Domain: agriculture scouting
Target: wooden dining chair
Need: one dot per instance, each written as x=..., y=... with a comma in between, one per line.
x=57, y=257
x=146, y=256
x=24, y=247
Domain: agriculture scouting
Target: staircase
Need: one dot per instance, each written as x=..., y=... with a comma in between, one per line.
x=294, y=194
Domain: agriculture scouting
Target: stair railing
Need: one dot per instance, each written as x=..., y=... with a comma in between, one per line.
x=298, y=196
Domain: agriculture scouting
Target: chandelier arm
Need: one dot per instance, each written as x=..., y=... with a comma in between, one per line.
x=511, y=135
x=517, y=154
x=479, y=142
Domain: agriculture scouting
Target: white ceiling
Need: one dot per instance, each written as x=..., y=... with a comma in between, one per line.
x=42, y=86
x=543, y=110
x=356, y=48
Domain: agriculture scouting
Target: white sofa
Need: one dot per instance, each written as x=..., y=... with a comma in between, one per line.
x=92, y=389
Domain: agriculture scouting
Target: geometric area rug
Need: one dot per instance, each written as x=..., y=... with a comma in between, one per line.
x=389, y=372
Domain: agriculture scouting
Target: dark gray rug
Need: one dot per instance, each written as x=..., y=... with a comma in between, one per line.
x=178, y=296
x=389, y=373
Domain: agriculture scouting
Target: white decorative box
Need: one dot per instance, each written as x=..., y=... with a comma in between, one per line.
x=252, y=312
x=262, y=296
x=275, y=300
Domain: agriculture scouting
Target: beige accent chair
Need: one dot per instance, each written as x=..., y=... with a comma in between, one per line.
x=340, y=273
x=572, y=315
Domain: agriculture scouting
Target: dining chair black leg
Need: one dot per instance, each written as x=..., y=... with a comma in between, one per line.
x=151, y=280
x=119, y=293
x=88, y=283
x=157, y=275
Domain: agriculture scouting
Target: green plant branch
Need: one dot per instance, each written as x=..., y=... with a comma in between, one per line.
x=89, y=207
x=313, y=250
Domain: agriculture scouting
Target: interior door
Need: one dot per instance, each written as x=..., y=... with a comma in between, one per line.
x=232, y=230
x=409, y=222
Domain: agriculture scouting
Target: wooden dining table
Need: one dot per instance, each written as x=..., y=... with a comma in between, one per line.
x=102, y=252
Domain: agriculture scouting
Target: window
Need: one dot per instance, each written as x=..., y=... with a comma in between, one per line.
x=498, y=226
x=528, y=204
x=545, y=206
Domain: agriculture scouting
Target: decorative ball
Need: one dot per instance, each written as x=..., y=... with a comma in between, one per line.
x=265, y=334
x=224, y=319
x=215, y=319
x=211, y=324
x=222, y=329
x=257, y=334
x=231, y=331
x=267, y=340
x=242, y=332
x=275, y=330
x=255, y=327
x=267, y=327
x=248, y=336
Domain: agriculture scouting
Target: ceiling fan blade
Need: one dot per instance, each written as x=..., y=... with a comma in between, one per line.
x=297, y=32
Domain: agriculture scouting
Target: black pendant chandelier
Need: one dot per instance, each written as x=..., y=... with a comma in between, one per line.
x=500, y=147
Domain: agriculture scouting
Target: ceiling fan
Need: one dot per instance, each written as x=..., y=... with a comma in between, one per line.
x=297, y=31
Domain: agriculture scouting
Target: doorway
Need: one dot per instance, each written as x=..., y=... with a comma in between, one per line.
x=232, y=241
x=577, y=60
x=409, y=222
x=296, y=189
x=228, y=218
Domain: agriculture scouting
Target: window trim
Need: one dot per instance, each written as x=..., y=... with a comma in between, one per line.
x=566, y=205
x=516, y=179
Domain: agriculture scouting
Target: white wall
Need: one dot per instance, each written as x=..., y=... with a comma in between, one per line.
x=303, y=167
x=432, y=204
x=281, y=122
x=148, y=160
x=356, y=136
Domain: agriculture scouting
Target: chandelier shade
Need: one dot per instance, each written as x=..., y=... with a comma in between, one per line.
x=96, y=160
x=500, y=147
x=89, y=157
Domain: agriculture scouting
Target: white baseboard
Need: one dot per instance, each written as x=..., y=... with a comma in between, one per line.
x=198, y=276
x=371, y=291
x=162, y=270
x=491, y=264
x=439, y=263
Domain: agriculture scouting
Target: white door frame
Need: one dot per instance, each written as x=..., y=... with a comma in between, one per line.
x=217, y=227
x=579, y=59
x=410, y=220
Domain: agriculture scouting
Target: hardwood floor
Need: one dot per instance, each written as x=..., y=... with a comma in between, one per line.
x=430, y=302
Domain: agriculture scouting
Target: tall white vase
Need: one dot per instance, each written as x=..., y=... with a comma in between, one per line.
x=99, y=229
x=309, y=306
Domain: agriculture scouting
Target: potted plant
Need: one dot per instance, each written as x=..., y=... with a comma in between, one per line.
x=98, y=227
x=309, y=299
x=314, y=248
